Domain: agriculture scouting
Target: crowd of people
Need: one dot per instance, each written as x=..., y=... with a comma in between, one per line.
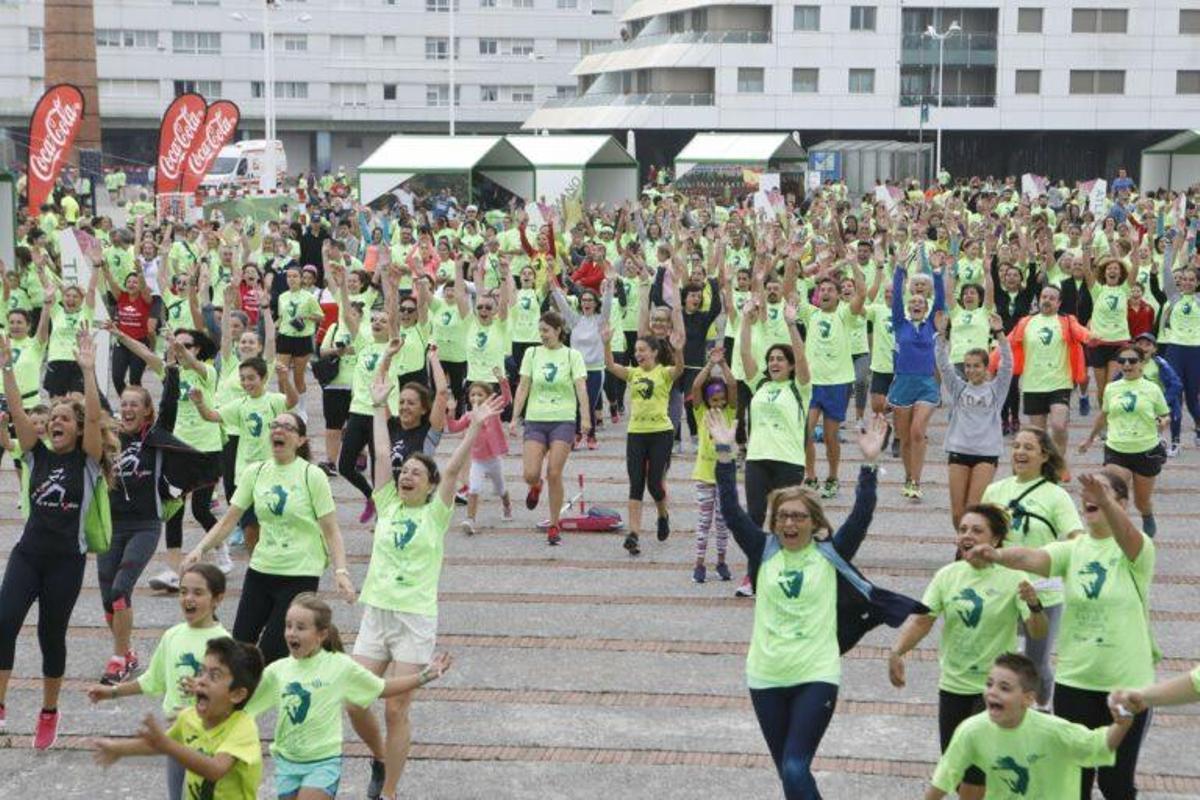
x=737, y=337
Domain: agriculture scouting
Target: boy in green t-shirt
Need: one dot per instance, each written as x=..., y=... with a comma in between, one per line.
x=215, y=740
x=1024, y=753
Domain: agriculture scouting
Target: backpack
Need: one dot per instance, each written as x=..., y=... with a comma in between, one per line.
x=97, y=522
x=795, y=393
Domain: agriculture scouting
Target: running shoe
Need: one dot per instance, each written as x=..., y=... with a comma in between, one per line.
x=745, y=588
x=468, y=526
x=819, y=435
x=114, y=672
x=165, y=581
x=915, y=492
x=531, y=497
x=615, y=417
x=237, y=538
x=664, y=528
x=47, y=730
x=699, y=573
x=895, y=447
x=578, y=439
x=552, y=536
x=907, y=490
x=631, y=544
x=812, y=484
x=1085, y=405
x=328, y=468
x=506, y=503
x=375, y=787
x=1197, y=439
x=460, y=497
x=1173, y=450
x=132, y=663
x=222, y=559
x=360, y=463
x=678, y=447
x=830, y=489
x=3, y=718
x=368, y=512
x=723, y=571
x=592, y=444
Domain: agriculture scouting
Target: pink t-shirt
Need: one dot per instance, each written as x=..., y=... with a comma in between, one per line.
x=491, y=441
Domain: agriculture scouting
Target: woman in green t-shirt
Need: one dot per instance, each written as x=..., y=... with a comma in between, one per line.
x=299, y=315
x=1108, y=281
x=552, y=391
x=980, y=605
x=1106, y=642
x=1136, y=414
x=657, y=365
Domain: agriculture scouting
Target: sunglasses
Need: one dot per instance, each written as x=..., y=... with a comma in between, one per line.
x=485, y=307
x=408, y=309
x=793, y=516
x=1129, y=360
x=284, y=426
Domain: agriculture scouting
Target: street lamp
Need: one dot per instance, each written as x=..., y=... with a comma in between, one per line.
x=453, y=109
x=534, y=58
x=941, y=38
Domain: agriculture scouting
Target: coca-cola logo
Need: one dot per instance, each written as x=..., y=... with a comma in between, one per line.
x=60, y=121
x=183, y=130
x=216, y=132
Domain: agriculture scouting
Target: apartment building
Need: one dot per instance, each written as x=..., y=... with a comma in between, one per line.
x=348, y=72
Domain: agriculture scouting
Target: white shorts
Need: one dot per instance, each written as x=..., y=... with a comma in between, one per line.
x=385, y=635
x=490, y=470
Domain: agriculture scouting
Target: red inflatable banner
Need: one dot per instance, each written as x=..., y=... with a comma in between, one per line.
x=220, y=124
x=56, y=120
x=177, y=133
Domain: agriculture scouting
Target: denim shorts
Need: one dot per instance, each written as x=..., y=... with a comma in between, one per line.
x=908, y=390
x=292, y=776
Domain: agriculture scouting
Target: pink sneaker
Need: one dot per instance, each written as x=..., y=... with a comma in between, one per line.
x=3, y=717
x=47, y=730
x=368, y=513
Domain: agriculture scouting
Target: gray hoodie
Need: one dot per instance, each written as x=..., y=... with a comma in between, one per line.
x=975, y=428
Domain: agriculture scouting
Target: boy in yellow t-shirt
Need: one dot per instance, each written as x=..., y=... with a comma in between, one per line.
x=215, y=740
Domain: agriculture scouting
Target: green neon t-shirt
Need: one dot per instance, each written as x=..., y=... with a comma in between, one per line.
x=448, y=330
x=295, y=310
x=969, y=329
x=249, y=419
x=288, y=500
x=649, y=396
x=406, y=553
x=1181, y=321
x=883, y=338
x=1047, y=368
x=552, y=374
x=190, y=427
x=524, y=315
x=64, y=332
x=828, y=344
x=777, y=421
x=179, y=655
x=1132, y=409
x=236, y=736
x=1110, y=312
x=27, y=356
x=369, y=359
x=487, y=347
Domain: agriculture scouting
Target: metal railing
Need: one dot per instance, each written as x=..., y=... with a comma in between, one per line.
x=965, y=49
x=688, y=37
x=950, y=100
x=642, y=99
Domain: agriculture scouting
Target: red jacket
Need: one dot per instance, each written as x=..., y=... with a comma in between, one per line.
x=589, y=274
x=1074, y=334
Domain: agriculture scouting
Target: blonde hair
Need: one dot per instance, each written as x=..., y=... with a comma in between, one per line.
x=788, y=494
x=110, y=442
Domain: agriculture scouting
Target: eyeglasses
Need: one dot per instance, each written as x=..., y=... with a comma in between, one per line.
x=408, y=309
x=1129, y=360
x=792, y=516
x=284, y=426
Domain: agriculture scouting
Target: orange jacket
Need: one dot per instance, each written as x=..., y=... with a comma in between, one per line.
x=1074, y=334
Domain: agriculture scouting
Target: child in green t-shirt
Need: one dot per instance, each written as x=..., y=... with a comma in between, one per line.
x=1023, y=752
x=215, y=740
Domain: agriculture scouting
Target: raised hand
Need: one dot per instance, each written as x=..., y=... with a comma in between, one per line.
x=870, y=441
x=87, y=349
x=1027, y=593
x=718, y=428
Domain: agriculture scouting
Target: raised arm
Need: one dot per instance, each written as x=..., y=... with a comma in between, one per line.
x=749, y=536
x=441, y=390
x=1126, y=534
x=458, y=459
x=746, y=337
x=853, y=531
x=619, y=370
x=27, y=435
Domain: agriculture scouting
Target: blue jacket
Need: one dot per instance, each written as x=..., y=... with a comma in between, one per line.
x=914, y=342
x=862, y=606
x=1172, y=386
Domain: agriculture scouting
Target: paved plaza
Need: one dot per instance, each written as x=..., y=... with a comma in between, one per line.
x=582, y=673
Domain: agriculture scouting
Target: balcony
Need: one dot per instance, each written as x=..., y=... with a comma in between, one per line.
x=963, y=50
x=949, y=100
x=643, y=99
x=688, y=37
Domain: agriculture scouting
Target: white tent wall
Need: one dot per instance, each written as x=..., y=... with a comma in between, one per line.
x=373, y=185
x=610, y=185
x=1169, y=171
x=555, y=183
x=517, y=181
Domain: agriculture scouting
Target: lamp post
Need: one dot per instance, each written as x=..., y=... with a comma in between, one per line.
x=941, y=38
x=453, y=109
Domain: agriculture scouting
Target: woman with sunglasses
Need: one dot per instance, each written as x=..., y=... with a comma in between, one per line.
x=1136, y=414
x=487, y=325
x=1041, y=512
x=414, y=334
x=299, y=539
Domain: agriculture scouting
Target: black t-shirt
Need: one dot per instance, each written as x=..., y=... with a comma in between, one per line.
x=56, y=488
x=134, y=494
x=405, y=442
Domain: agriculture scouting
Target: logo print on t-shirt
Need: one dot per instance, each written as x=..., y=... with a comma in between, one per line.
x=51, y=493
x=481, y=340
x=130, y=459
x=278, y=503
x=824, y=327
x=1019, y=782
x=1098, y=574
x=401, y=540
x=446, y=317
x=644, y=388
x=550, y=372
x=1046, y=335
x=1112, y=302
x=970, y=616
x=189, y=661
x=256, y=423
x=790, y=581
x=773, y=394
x=526, y=303
x=1128, y=402
x=372, y=360
x=296, y=702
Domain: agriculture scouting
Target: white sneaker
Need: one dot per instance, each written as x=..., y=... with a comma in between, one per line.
x=468, y=527
x=165, y=581
x=222, y=559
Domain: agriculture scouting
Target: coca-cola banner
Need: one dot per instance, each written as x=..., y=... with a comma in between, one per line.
x=177, y=133
x=220, y=124
x=56, y=119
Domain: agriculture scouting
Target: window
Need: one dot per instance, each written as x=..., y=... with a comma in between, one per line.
x=489, y=94
x=489, y=47
x=522, y=3
x=284, y=90
x=437, y=48
x=1029, y=81
x=141, y=40
x=35, y=38
x=487, y=3
x=750, y=80
x=256, y=41
x=348, y=94
x=199, y=42
x=292, y=42
x=862, y=18
x=195, y=2
x=348, y=45
x=804, y=80
x=1029, y=20
x=1187, y=81
x=589, y=46
x=389, y=44
x=806, y=18
x=862, y=81
x=209, y=89
x=1099, y=20
x=389, y=91
x=1097, y=81
x=519, y=47
x=139, y=89
x=440, y=6
x=522, y=94
x=566, y=47
x=438, y=94
x=1189, y=20
x=566, y=4
x=566, y=92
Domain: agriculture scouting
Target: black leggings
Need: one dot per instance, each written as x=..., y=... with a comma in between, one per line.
x=263, y=609
x=685, y=383
x=793, y=720
x=744, y=396
x=124, y=361
x=647, y=456
x=456, y=376
x=201, y=501
x=1090, y=708
x=953, y=709
x=229, y=466
x=1011, y=412
x=53, y=582
x=118, y=570
x=762, y=478
x=62, y=378
x=359, y=432
x=614, y=387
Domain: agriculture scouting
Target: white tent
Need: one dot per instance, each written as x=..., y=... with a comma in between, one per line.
x=773, y=152
x=1173, y=163
x=594, y=168
x=402, y=157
